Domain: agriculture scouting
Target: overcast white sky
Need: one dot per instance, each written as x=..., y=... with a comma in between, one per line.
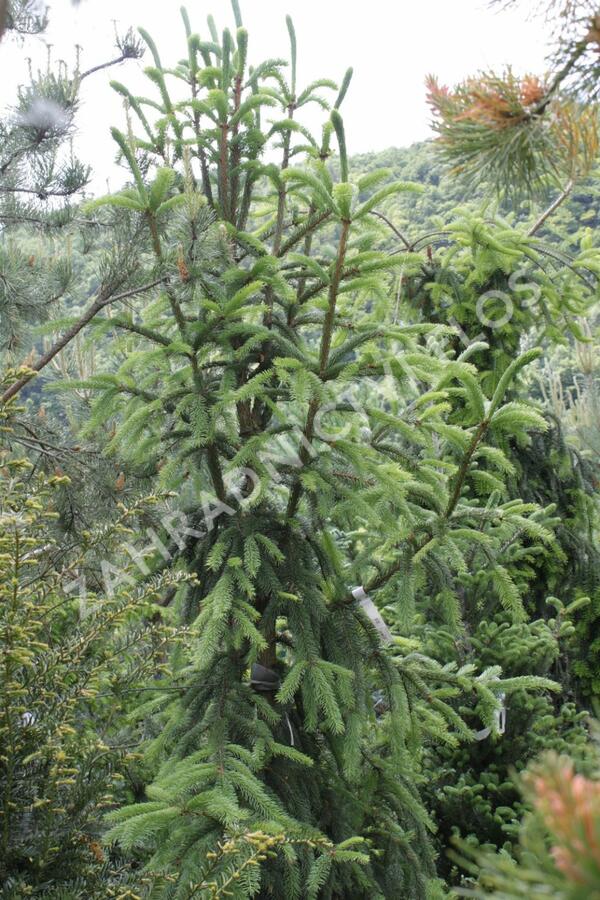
x=391, y=45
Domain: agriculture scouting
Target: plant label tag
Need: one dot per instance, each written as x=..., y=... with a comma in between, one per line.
x=373, y=613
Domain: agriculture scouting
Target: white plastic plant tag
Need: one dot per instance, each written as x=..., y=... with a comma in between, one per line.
x=373, y=613
x=481, y=735
x=499, y=722
x=500, y=715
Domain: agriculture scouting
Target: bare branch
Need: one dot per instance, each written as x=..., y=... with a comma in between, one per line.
x=553, y=206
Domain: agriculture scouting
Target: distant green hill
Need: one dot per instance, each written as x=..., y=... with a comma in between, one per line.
x=445, y=192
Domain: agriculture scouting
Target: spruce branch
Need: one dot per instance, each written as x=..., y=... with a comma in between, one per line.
x=464, y=467
x=326, y=336
x=391, y=225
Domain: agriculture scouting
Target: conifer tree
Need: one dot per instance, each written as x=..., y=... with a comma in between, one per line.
x=492, y=281
x=70, y=664
x=41, y=183
x=530, y=155
x=321, y=453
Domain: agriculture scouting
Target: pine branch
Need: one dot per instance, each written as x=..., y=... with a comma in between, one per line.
x=106, y=65
x=99, y=304
x=552, y=208
x=560, y=77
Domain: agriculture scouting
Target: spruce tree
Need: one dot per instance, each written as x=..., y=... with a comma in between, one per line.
x=321, y=452
x=522, y=135
x=493, y=282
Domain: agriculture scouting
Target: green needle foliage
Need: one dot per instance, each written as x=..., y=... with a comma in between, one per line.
x=503, y=291
x=66, y=674
x=559, y=850
x=528, y=133
x=41, y=179
x=314, y=444
x=519, y=133
x=494, y=283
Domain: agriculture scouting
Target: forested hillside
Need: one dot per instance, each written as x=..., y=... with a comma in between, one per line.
x=445, y=192
x=299, y=489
